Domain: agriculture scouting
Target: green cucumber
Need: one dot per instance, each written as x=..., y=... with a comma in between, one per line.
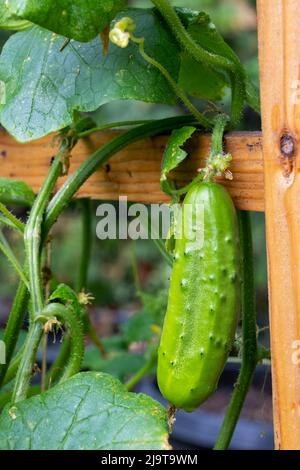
x=204, y=299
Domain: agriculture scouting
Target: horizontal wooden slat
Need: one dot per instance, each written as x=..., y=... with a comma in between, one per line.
x=135, y=171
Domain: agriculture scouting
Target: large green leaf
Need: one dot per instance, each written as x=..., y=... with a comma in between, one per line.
x=204, y=81
x=203, y=31
x=77, y=19
x=15, y=192
x=89, y=411
x=9, y=20
x=45, y=85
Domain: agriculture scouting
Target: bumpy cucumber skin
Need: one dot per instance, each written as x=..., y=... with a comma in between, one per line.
x=204, y=303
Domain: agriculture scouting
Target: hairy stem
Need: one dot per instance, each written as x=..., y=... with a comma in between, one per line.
x=14, y=324
x=25, y=369
x=14, y=222
x=85, y=257
x=250, y=356
x=187, y=43
x=56, y=311
x=32, y=236
x=217, y=135
x=51, y=313
x=204, y=121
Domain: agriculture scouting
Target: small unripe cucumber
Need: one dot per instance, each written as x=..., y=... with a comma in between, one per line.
x=204, y=301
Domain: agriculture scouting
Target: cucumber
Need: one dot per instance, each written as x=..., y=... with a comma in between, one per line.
x=204, y=300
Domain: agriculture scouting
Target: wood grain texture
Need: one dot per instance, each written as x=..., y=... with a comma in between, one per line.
x=279, y=26
x=135, y=171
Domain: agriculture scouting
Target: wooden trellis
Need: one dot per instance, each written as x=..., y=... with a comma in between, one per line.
x=266, y=177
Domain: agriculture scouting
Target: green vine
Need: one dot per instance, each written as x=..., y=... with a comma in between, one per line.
x=10, y=220
x=32, y=235
x=51, y=314
x=14, y=325
x=235, y=70
x=250, y=356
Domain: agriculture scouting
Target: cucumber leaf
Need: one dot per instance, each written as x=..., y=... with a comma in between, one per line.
x=15, y=192
x=203, y=82
x=45, y=85
x=79, y=19
x=174, y=154
x=90, y=411
x=206, y=81
x=67, y=295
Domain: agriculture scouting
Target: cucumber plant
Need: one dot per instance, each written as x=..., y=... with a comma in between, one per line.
x=64, y=61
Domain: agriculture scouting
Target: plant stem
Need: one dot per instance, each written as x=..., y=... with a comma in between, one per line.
x=13, y=366
x=142, y=372
x=32, y=235
x=185, y=189
x=204, y=121
x=86, y=244
x=48, y=252
x=54, y=372
x=218, y=134
x=92, y=334
x=160, y=245
x=112, y=125
x=44, y=361
x=250, y=349
x=14, y=222
x=26, y=365
x=14, y=324
x=54, y=311
x=85, y=256
x=76, y=180
x=187, y=43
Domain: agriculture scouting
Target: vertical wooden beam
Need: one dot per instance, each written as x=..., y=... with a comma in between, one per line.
x=279, y=51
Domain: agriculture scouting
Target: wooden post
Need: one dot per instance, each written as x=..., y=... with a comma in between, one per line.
x=279, y=51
